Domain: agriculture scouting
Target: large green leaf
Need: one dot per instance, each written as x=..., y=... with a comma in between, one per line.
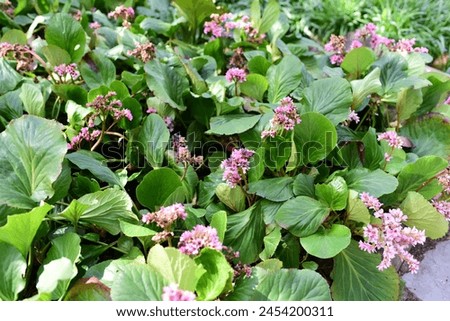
x=357, y=61
x=373, y=154
x=33, y=100
x=32, y=150
x=334, y=194
x=217, y=277
x=97, y=70
x=255, y=86
x=234, y=198
x=274, y=189
x=20, y=229
x=356, y=210
x=432, y=95
x=12, y=272
x=55, y=278
x=270, y=16
x=92, y=161
x=294, y=285
x=11, y=106
x=376, y=183
x=104, y=209
x=284, y=78
x=414, y=175
x=65, y=32
x=167, y=83
x=245, y=233
x=304, y=185
x=330, y=97
x=175, y=267
x=66, y=246
x=10, y=77
x=157, y=186
x=356, y=277
x=315, y=137
x=232, y=124
x=302, y=215
x=195, y=11
x=219, y=222
x=271, y=241
x=327, y=243
x=429, y=136
x=408, y=101
x=424, y=216
x=137, y=282
x=56, y=55
x=364, y=87
x=154, y=137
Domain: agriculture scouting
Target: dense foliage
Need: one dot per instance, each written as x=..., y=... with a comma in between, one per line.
x=177, y=151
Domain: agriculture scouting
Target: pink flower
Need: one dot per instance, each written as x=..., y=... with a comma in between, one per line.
x=444, y=180
x=169, y=123
x=392, y=138
x=336, y=59
x=356, y=44
x=191, y=242
x=393, y=239
x=182, y=153
x=166, y=215
x=151, y=110
x=370, y=201
x=95, y=25
x=442, y=207
x=387, y=157
x=285, y=118
x=353, y=116
x=236, y=166
x=236, y=75
x=124, y=13
x=64, y=70
x=83, y=135
x=173, y=293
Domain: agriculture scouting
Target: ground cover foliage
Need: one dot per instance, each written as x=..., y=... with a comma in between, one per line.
x=161, y=150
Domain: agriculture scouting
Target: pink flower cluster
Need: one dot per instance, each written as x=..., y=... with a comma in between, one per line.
x=392, y=237
x=64, y=70
x=106, y=104
x=236, y=75
x=95, y=25
x=223, y=26
x=285, y=118
x=442, y=207
x=124, y=13
x=191, y=242
x=173, y=293
x=367, y=35
x=143, y=51
x=353, y=116
x=236, y=166
x=182, y=153
x=164, y=218
x=392, y=138
x=21, y=54
x=84, y=135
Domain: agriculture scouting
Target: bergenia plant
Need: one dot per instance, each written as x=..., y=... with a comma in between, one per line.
x=175, y=154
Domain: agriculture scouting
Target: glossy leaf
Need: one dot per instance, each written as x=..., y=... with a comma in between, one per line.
x=356, y=277
x=217, y=277
x=376, y=183
x=21, y=229
x=274, y=189
x=327, y=243
x=232, y=124
x=424, y=216
x=175, y=267
x=330, y=97
x=234, y=198
x=65, y=32
x=334, y=194
x=357, y=61
x=284, y=78
x=97, y=71
x=302, y=215
x=32, y=150
x=33, y=100
x=154, y=137
x=12, y=272
x=156, y=187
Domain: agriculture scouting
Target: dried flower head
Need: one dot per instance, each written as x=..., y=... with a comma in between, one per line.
x=21, y=54
x=143, y=51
